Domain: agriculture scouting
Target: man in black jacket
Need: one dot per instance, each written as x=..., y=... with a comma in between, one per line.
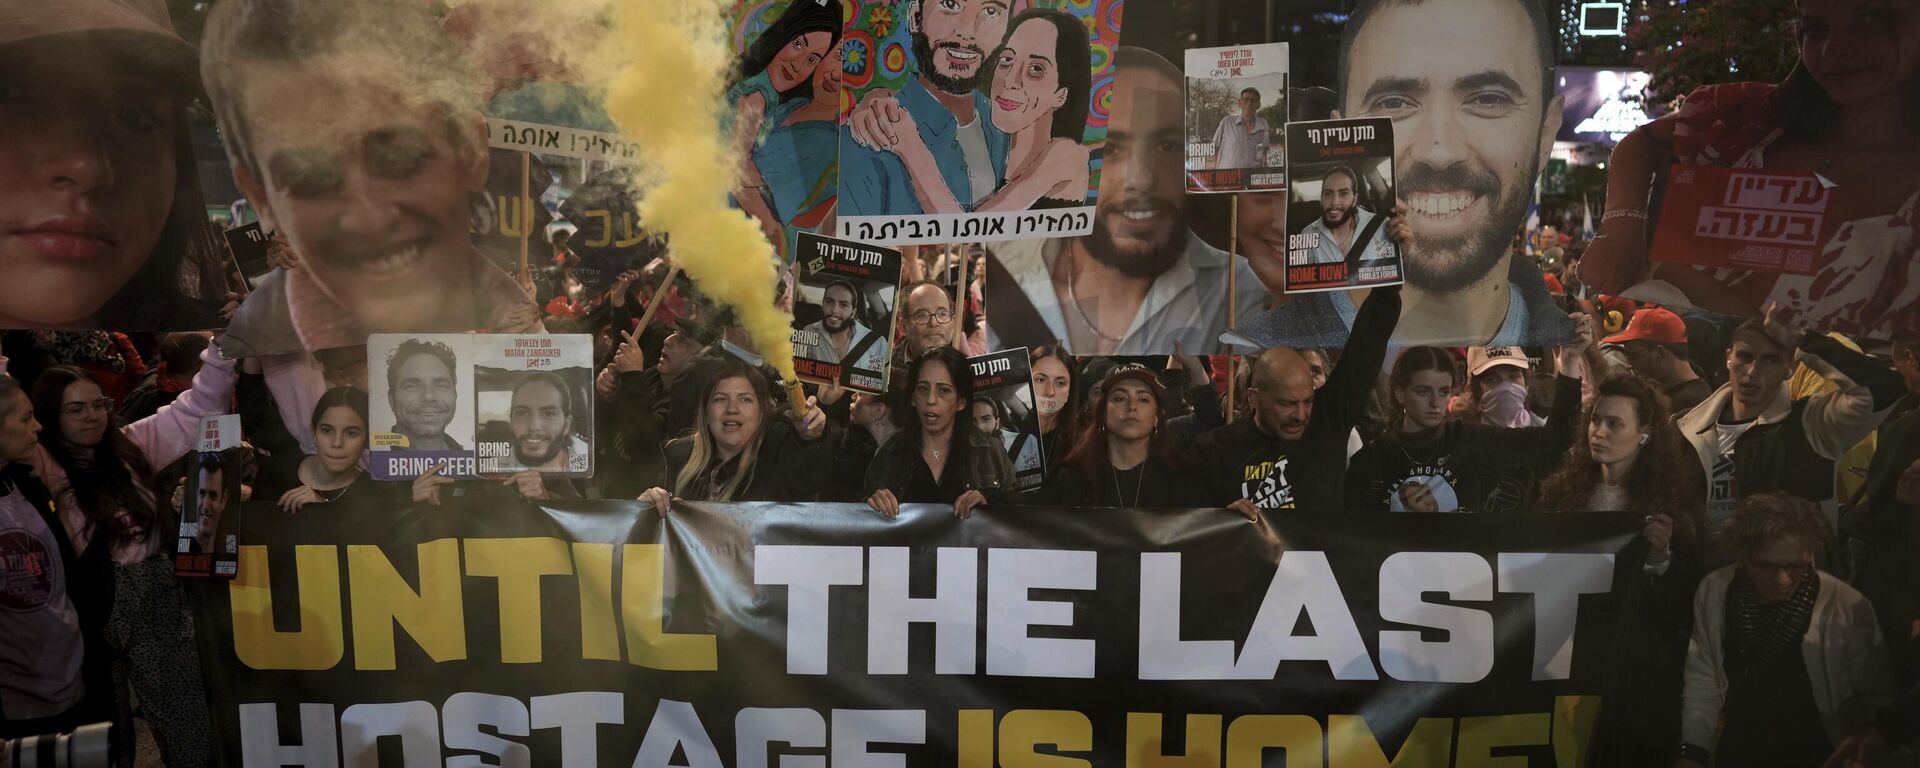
x=1292, y=453
x=1752, y=437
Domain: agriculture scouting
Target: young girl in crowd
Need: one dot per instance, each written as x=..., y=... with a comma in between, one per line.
x=1634, y=460
x=102, y=479
x=1428, y=463
x=741, y=448
x=44, y=683
x=940, y=458
x=333, y=472
x=1124, y=458
x=1787, y=661
x=1056, y=399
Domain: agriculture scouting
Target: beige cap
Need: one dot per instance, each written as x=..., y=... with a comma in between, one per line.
x=143, y=21
x=1481, y=359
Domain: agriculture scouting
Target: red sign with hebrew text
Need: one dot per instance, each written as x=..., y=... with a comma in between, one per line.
x=1739, y=218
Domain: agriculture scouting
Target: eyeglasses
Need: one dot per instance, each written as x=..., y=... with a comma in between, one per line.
x=939, y=316
x=101, y=406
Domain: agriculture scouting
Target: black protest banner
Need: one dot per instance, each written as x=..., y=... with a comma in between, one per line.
x=598, y=633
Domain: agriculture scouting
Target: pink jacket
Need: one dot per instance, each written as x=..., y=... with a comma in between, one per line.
x=163, y=438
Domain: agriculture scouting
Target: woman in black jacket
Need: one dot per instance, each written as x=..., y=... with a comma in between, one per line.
x=940, y=458
x=1124, y=457
x=741, y=448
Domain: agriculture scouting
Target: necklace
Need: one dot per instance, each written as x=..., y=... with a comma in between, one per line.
x=1137, y=482
x=1084, y=320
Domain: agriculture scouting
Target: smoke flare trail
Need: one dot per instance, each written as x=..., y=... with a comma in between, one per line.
x=669, y=98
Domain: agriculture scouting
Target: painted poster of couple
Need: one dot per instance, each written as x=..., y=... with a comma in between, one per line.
x=785, y=102
x=974, y=120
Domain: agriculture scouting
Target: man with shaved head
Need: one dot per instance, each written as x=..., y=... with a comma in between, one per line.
x=1292, y=453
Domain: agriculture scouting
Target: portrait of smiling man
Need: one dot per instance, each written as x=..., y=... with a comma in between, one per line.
x=352, y=126
x=951, y=40
x=1141, y=282
x=1473, y=122
x=541, y=415
x=423, y=387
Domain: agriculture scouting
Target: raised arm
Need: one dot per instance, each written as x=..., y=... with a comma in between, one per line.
x=172, y=431
x=1351, y=380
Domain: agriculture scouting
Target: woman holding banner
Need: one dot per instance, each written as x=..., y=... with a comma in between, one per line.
x=741, y=448
x=1635, y=460
x=941, y=459
x=1041, y=74
x=1125, y=457
x=101, y=219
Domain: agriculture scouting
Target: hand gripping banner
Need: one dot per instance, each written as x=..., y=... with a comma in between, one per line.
x=491, y=632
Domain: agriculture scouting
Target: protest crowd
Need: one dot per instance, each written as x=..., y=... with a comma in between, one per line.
x=1775, y=464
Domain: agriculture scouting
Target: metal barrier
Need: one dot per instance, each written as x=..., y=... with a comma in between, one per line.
x=83, y=747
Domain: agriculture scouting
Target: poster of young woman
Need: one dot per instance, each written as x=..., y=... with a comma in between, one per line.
x=974, y=120
x=1811, y=190
x=103, y=224
x=785, y=101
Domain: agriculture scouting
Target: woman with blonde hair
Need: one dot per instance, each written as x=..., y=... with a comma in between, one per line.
x=742, y=448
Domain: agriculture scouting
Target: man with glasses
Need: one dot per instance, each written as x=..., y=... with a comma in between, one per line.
x=929, y=313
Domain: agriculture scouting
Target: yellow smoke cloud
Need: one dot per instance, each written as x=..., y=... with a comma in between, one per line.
x=668, y=96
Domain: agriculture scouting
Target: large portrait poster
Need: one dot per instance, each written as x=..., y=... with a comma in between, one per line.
x=785, y=102
x=1236, y=110
x=1341, y=182
x=974, y=120
x=845, y=313
x=1465, y=173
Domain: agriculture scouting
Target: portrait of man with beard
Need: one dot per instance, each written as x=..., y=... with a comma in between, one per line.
x=423, y=388
x=1473, y=121
x=839, y=337
x=1342, y=219
x=1141, y=282
x=951, y=40
x=542, y=418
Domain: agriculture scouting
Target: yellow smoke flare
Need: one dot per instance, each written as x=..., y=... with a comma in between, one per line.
x=669, y=98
